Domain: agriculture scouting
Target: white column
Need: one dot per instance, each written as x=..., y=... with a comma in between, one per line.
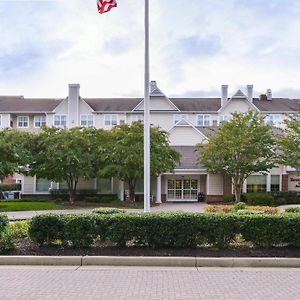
x=158, y=189
x=207, y=184
x=245, y=186
x=121, y=190
x=269, y=182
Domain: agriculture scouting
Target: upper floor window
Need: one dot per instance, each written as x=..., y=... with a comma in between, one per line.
x=60, y=120
x=203, y=120
x=23, y=121
x=87, y=120
x=110, y=120
x=180, y=117
x=274, y=120
x=39, y=121
x=224, y=118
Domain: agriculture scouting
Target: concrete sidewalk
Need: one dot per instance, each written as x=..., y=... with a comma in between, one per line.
x=188, y=207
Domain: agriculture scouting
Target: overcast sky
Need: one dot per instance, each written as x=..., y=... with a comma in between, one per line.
x=196, y=46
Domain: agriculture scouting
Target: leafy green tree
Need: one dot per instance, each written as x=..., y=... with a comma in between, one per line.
x=66, y=155
x=13, y=151
x=242, y=146
x=289, y=144
x=125, y=161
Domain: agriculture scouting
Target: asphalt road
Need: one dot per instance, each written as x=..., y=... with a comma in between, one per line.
x=24, y=282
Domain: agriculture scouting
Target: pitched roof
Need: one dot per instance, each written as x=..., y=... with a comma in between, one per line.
x=188, y=159
x=112, y=104
x=277, y=104
x=21, y=104
x=197, y=104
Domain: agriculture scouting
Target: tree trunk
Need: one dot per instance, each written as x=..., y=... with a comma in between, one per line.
x=131, y=186
x=238, y=183
x=72, y=196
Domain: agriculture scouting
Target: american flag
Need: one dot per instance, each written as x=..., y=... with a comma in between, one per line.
x=105, y=5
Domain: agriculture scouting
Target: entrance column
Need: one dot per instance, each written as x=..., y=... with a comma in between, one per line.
x=158, y=189
x=121, y=190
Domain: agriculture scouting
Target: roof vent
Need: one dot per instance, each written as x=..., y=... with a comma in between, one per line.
x=269, y=94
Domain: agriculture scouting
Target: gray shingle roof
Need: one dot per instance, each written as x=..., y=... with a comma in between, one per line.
x=188, y=159
x=113, y=104
x=277, y=104
x=20, y=104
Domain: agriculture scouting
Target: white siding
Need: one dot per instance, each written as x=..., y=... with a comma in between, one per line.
x=236, y=105
x=5, y=120
x=185, y=136
x=215, y=183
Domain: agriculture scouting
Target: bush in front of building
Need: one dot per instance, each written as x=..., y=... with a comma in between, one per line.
x=177, y=230
x=108, y=211
x=3, y=223
x=286, y=197
x=263, y=199
x=10, y=187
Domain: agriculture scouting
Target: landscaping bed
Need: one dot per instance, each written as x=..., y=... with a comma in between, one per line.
x=26, y=247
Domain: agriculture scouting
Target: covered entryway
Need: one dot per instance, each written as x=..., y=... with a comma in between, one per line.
x=182, y=189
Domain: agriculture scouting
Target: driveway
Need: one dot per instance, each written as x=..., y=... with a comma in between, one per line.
x=188, y=207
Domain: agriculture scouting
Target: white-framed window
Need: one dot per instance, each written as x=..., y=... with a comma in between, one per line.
x=203, y=120
x=110, y=120
x=22, y=121
x=180, y=117
x=86, y=120
x=42, y=185
x=60, y=120
x=274, y=120
x=256, y=183
x=224, y=118
x=39, y=121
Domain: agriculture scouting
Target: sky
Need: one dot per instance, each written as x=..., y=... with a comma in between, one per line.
x=195, y=47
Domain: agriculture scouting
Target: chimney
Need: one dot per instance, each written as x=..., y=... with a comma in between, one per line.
x=250, y=92
x=263, y=97
x=269, y=94
x=73, y=105
x=224, y=98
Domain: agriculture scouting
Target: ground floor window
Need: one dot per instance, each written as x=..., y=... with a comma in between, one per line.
x=104, y=185
x=256, y=183
x=182, y=189
x=275, y=183
x=42, y=185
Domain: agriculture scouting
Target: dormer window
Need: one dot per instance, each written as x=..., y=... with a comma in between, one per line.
x=179, y=117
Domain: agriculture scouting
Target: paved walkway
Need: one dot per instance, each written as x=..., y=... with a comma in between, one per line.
x=68, y=283
x=191, y=207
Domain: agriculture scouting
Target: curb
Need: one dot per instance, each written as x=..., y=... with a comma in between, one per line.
x=198, y=262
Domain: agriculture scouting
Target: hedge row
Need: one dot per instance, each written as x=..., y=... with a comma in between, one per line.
x=166, y=229
x=10, y=187
x=267, y=199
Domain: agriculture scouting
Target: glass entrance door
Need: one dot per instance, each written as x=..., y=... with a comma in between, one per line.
x=182, y=189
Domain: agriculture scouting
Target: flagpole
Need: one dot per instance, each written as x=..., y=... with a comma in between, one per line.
x=146, y=115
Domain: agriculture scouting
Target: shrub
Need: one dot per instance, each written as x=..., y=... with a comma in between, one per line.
x=239, y=206
x=259, y=199
x=248, y=212
x=108, y=211
x=101, y=198
x=292, y=210
x=228, y=198
x=10, y=187
x=18, y=229
x=46, y=228
x=3, y=223
x=286, y=197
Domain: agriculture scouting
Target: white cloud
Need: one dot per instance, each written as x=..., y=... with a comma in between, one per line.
x=194, y=47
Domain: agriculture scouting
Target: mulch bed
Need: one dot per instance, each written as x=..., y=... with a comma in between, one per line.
x=26, y=247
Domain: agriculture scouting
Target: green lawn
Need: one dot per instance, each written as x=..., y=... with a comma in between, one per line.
x=49, y=205
x=23, y=206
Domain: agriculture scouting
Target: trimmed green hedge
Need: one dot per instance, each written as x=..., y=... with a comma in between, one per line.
x=108, y=211
x=166, y=229
x=10, y=187
x=294, y=210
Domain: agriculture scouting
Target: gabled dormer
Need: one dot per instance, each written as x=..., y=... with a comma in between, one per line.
x=239, y=102
x=158, y=100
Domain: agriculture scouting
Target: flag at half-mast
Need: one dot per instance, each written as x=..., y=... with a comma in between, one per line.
x=105, y=5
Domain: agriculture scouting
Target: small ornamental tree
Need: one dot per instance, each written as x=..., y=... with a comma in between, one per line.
x=66, y=155
x=125, y=161
x=289, y=144
x=242, y=146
